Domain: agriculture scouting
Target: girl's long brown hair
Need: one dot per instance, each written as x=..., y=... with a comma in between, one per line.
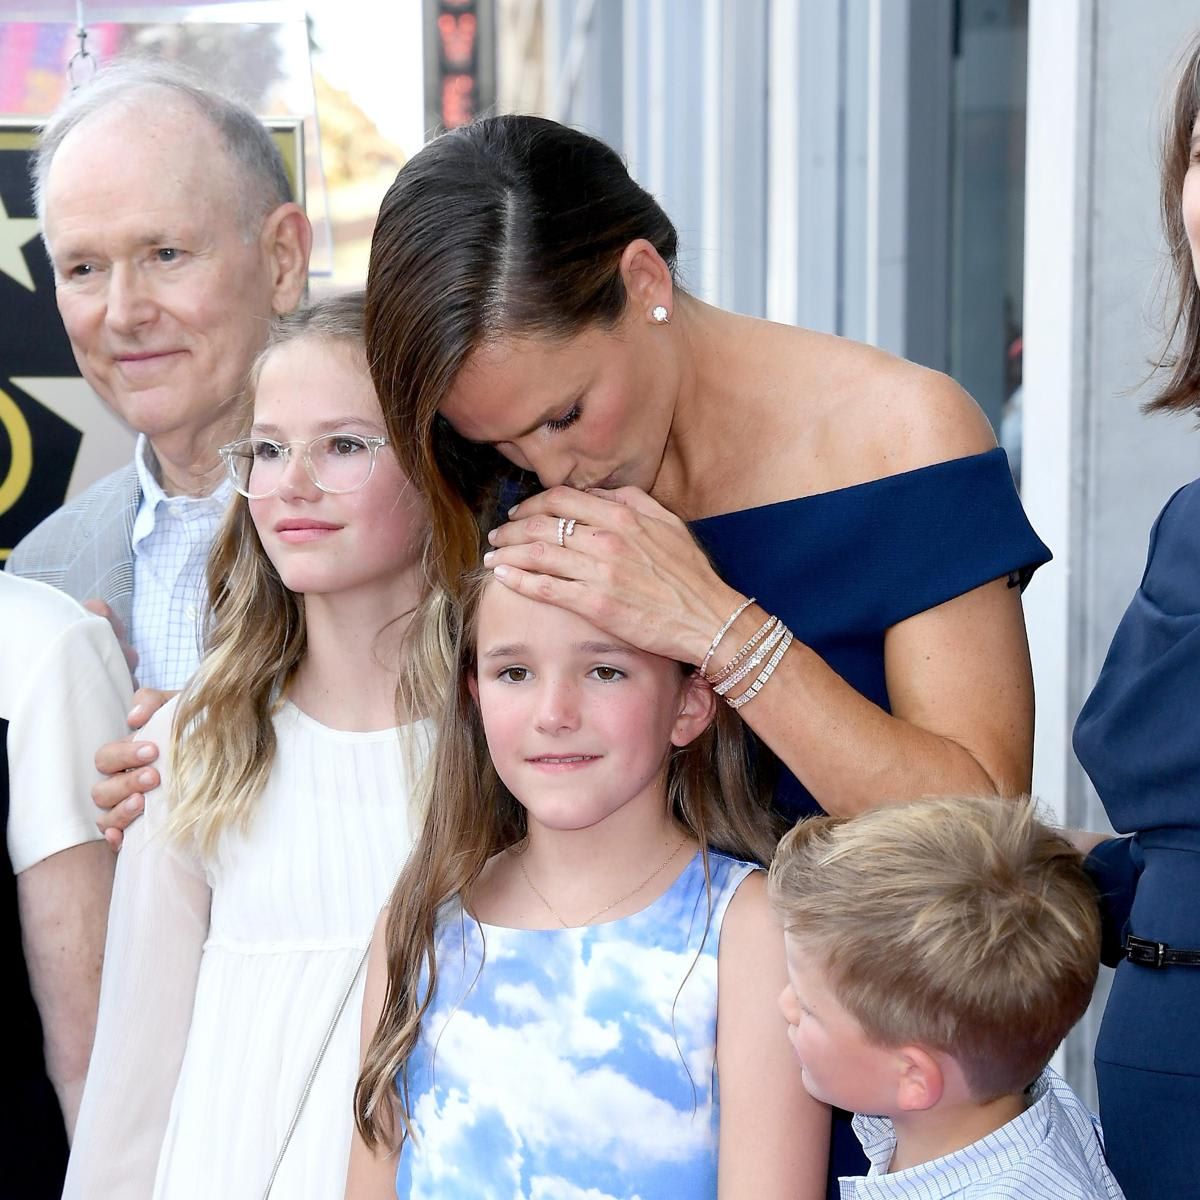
x=223, y=734
x=472, y=816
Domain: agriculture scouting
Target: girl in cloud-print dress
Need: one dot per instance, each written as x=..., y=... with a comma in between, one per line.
x=583, y=891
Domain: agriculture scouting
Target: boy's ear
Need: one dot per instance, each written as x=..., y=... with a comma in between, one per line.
x=697, y=707
x=921, y=1080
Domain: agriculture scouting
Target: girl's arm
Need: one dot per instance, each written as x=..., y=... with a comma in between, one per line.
x=371, y=1174
x=157, y=926
x=774, y=1135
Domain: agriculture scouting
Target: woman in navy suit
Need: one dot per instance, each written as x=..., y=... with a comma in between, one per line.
x=1138, y=737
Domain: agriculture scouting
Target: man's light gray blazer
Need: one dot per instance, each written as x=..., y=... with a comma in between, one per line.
x=86, y=548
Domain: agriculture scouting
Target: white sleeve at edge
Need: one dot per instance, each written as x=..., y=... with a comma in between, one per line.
x=76, y=701
x=156, y=932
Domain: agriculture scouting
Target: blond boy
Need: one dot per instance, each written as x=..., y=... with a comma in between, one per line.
x=938, y=952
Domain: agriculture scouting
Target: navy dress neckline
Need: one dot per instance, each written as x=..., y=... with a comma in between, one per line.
x=841, y=567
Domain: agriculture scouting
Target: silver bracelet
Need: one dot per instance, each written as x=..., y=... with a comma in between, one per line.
x=772, y=663
x=751, y=664
x=712, y=649
x=757, y=637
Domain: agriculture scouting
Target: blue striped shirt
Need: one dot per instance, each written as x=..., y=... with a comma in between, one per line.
x=1053, y=1151
x=172, y=536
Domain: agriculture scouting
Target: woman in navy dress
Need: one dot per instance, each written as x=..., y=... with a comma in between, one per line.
x=1138, y=738
x=523, y=310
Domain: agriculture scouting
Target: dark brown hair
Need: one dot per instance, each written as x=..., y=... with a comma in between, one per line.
x=1181, y=354
x=511, y=226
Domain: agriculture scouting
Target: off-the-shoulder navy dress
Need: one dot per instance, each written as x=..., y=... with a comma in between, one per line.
x=840, y=568
x=1138, y=738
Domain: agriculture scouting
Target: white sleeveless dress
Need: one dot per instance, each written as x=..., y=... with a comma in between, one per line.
x=221, y=978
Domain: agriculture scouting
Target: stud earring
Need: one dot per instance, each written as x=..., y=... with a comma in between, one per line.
x=660, y=314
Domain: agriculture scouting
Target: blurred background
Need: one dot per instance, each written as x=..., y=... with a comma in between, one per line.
x=969, y=183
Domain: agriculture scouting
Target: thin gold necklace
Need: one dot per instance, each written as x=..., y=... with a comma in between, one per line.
x=662, y=866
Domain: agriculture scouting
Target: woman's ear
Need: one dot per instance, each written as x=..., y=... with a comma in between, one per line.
x=473, y=685
x=647, y=280
x=697, y=707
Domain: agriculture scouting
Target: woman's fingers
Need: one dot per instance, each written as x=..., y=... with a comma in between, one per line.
x=635, y=498
x=617, y=510
x=581, y=517
x=570, y=561
x=620, y=561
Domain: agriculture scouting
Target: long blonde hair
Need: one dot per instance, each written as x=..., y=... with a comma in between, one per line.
x=223, y=735
x=472, y=816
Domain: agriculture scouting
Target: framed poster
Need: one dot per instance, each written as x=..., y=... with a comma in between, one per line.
x=56, y=436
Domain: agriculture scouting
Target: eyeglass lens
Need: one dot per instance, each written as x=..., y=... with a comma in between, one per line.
x=340, y=462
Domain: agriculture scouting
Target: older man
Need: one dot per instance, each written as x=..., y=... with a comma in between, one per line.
x=169, y=222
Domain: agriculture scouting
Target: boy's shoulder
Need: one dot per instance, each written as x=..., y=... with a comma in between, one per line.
x=1053, y=1151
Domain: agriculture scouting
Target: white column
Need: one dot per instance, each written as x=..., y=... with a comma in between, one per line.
x=887, y=173
x=1056, y=191
x=803, y=98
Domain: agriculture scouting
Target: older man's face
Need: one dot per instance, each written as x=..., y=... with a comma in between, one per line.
x=165, y=301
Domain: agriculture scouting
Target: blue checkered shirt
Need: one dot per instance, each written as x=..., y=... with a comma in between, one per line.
x=172, y=536
x=1053, y=1151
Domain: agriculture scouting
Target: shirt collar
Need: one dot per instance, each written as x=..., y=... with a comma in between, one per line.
x=949, y=1175
x=146, y=465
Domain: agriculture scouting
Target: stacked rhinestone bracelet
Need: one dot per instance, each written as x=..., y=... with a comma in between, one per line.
x=770, y=642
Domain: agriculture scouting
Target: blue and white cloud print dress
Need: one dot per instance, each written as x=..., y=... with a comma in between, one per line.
x=574, y=1063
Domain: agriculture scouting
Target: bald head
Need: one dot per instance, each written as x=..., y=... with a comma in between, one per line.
x=168, y=265
x=143, y=90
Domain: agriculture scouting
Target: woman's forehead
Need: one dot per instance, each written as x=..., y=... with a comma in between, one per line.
x=508, y=387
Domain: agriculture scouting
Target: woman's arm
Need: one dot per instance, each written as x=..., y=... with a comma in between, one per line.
x=774, y=1135
x=958, y=675
x=157, y=927
x=371, y=1174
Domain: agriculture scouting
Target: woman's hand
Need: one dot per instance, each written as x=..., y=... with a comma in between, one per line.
x=629, y=566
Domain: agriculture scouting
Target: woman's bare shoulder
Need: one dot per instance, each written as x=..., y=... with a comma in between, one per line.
x=863, y=413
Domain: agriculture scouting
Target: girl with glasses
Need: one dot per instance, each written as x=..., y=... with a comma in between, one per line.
x=228, y=1037
x=579, y=953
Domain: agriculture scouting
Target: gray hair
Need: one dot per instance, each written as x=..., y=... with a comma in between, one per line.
x=251, y=150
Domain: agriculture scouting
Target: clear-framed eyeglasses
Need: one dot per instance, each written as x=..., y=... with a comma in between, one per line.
x=336, y=462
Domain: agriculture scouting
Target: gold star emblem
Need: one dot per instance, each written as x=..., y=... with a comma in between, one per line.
x=15, y=232
x=107, y=443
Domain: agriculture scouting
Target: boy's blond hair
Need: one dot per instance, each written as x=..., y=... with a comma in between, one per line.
x=961, y=924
